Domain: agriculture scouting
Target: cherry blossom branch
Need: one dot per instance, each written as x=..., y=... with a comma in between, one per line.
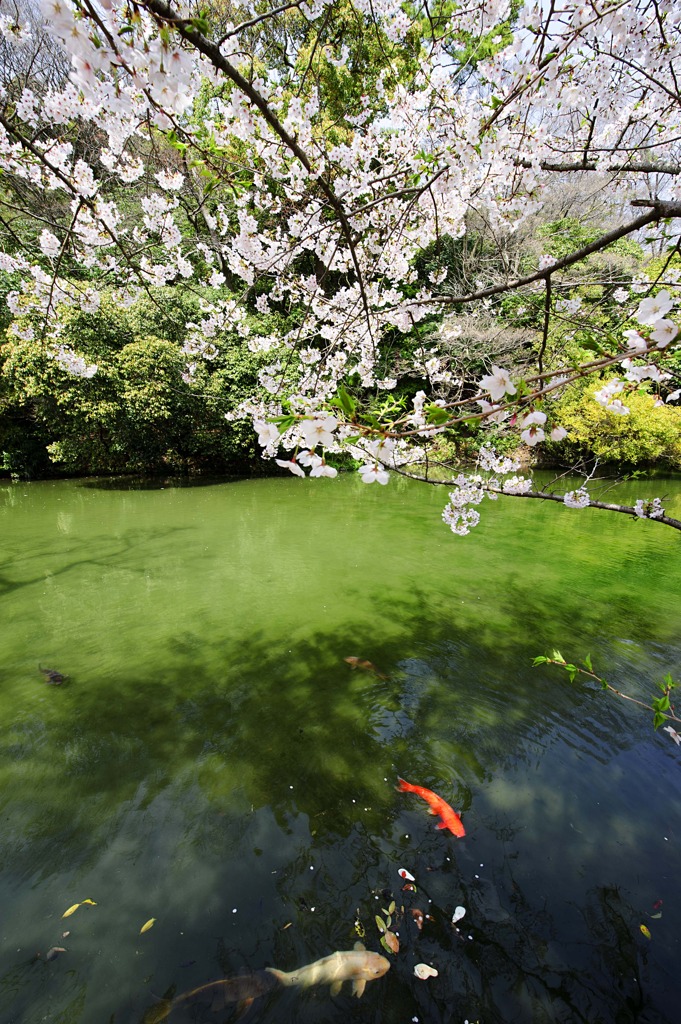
x=210, y=50
x=626, y=510
x=567, y=166
x=255, y=21
x=660, y=210
x=27, y=145
x=545, y=331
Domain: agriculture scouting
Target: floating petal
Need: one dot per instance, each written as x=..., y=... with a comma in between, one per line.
x=403, y=873
x=147, y=925
x=459, y=912
x=423, y=971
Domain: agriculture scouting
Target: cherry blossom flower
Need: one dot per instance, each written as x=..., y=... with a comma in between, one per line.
x=673, y=733
x=635, y=340
x=172, y=182
x=517, y=485
x=605, y=397
x=546, y=261
x=309, y=459
x=558, y=433
x=72, y=363
x=533, y=435
x=292, y=466
x=576, y=499
x=323, y=470
x=460, y=521
x=374, y=474
x=654, y=307
x=498, y=383
x=492, y=413
x=620, y=295
x=319, y=431
x=649, y=509
x=49, y=243
x=569, y=306
x=267, y=432
x=663, y=332
x=534, y=432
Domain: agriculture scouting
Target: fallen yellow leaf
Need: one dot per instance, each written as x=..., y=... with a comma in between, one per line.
x=74, y=908
x=149, y=924
x=645, y=931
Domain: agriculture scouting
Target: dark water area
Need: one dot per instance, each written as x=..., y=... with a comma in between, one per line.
x=213, y=762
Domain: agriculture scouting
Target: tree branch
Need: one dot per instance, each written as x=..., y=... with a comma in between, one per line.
x=660, y=210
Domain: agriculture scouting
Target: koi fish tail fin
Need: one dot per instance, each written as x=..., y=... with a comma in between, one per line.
x=403, y=786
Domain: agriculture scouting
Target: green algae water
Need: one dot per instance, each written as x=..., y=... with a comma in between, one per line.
x=214, y=763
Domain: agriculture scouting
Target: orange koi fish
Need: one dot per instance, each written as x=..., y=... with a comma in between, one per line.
x=448, y=817
x=366, y=666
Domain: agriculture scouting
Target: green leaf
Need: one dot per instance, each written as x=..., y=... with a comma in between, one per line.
x=539, y=660
x=283, y=422
x=200, y=24
x=659, y=719
x=557, y=656
x=436, y=414
x=587, y=662
x=380, y=923
x=591, y=345
x=345, y=402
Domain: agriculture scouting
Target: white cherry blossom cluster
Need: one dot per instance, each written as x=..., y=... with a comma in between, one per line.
x=444, y=150
x=71, y=362
x=652, y=313
x=470, y=489
x=645, y=509
x=517, y=485
x=577, y=499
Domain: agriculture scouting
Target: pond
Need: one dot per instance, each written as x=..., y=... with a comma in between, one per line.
x=214, y=763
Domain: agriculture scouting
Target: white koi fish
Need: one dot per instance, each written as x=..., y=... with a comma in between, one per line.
x=356, y=965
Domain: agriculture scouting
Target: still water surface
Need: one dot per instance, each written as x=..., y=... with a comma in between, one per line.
x=213, y=762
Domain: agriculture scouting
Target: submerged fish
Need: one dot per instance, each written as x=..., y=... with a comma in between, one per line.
x=52, y=677
x=448, y=817
x=356, y=965
x=366, y=666
x=219, y=994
